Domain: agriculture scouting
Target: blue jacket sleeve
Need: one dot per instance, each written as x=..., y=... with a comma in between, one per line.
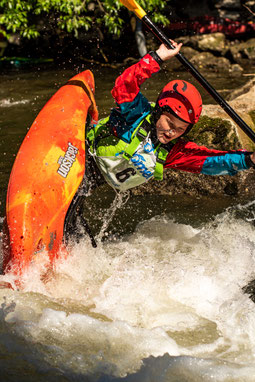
x=228, y=164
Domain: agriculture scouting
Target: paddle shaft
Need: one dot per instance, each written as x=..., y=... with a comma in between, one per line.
x=225, y=106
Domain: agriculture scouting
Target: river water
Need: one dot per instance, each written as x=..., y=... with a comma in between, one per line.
x=159, y=299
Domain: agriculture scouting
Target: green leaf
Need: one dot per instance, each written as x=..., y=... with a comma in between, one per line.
x=25, y=16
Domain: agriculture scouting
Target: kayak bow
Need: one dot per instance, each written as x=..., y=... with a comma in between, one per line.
x=48, y=170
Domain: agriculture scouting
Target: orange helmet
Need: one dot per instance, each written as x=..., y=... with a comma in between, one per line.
x=181, y=98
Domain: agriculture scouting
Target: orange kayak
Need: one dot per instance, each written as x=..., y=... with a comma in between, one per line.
x=47, y=172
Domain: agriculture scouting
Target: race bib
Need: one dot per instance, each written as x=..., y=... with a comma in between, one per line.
x=123, y=174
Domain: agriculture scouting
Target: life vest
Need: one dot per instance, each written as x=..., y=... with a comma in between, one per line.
x=127, y=165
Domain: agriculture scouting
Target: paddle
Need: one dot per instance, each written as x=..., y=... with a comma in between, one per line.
x=141, y=14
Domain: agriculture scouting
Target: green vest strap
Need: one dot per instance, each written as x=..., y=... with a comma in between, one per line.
x=140, y=135
x=161, y=158
x=97, y=132
x=91, y=138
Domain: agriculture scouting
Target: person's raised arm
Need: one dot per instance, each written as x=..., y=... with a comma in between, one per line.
x=128, y=84
x=165, y=53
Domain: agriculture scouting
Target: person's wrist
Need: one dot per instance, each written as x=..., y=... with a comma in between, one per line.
x=159, y=55
x=156, y=57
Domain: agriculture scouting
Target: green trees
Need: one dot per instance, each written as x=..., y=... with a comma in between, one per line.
x=29, y=18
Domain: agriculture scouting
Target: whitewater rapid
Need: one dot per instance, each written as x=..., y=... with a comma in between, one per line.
x=164, y=303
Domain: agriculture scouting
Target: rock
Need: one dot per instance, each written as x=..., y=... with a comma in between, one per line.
x=228, y=4
x=242, y=90
x=214, y=42
x=216, y=133
x=245, y=102
x=250, y=4
x=198, y=185
x=245, y=50
x=217, y=44
x=207, y=60
x=174, y=64
x=188, y=52
x=249, y=49
x=244, y=105
x=229, y=9
x=236, y=70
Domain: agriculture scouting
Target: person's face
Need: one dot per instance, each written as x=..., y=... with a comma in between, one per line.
x=169, y=127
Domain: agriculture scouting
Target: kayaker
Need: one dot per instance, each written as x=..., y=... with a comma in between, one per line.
x=139, y=139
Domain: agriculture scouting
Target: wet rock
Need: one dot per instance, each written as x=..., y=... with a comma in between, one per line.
x=236, y=70
x=252, y=115
x=244, y=105
x=231, y=188
x=188, y=52
x=250, y=290
x=198, y=185
x=207, y=60
x=245, y=50
x=215, y=42
x=174, y=64
x=228, y=4
x=243, y=90
x=229, y=8
x=250, y=4
x=216, y=133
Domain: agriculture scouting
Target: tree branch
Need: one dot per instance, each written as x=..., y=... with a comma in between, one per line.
x=248, y=9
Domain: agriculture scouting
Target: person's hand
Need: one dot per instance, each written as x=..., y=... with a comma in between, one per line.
x=166, y=53
x=252, y=156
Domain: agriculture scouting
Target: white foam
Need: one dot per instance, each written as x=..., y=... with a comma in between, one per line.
x=9, y=102
x=167, y=288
